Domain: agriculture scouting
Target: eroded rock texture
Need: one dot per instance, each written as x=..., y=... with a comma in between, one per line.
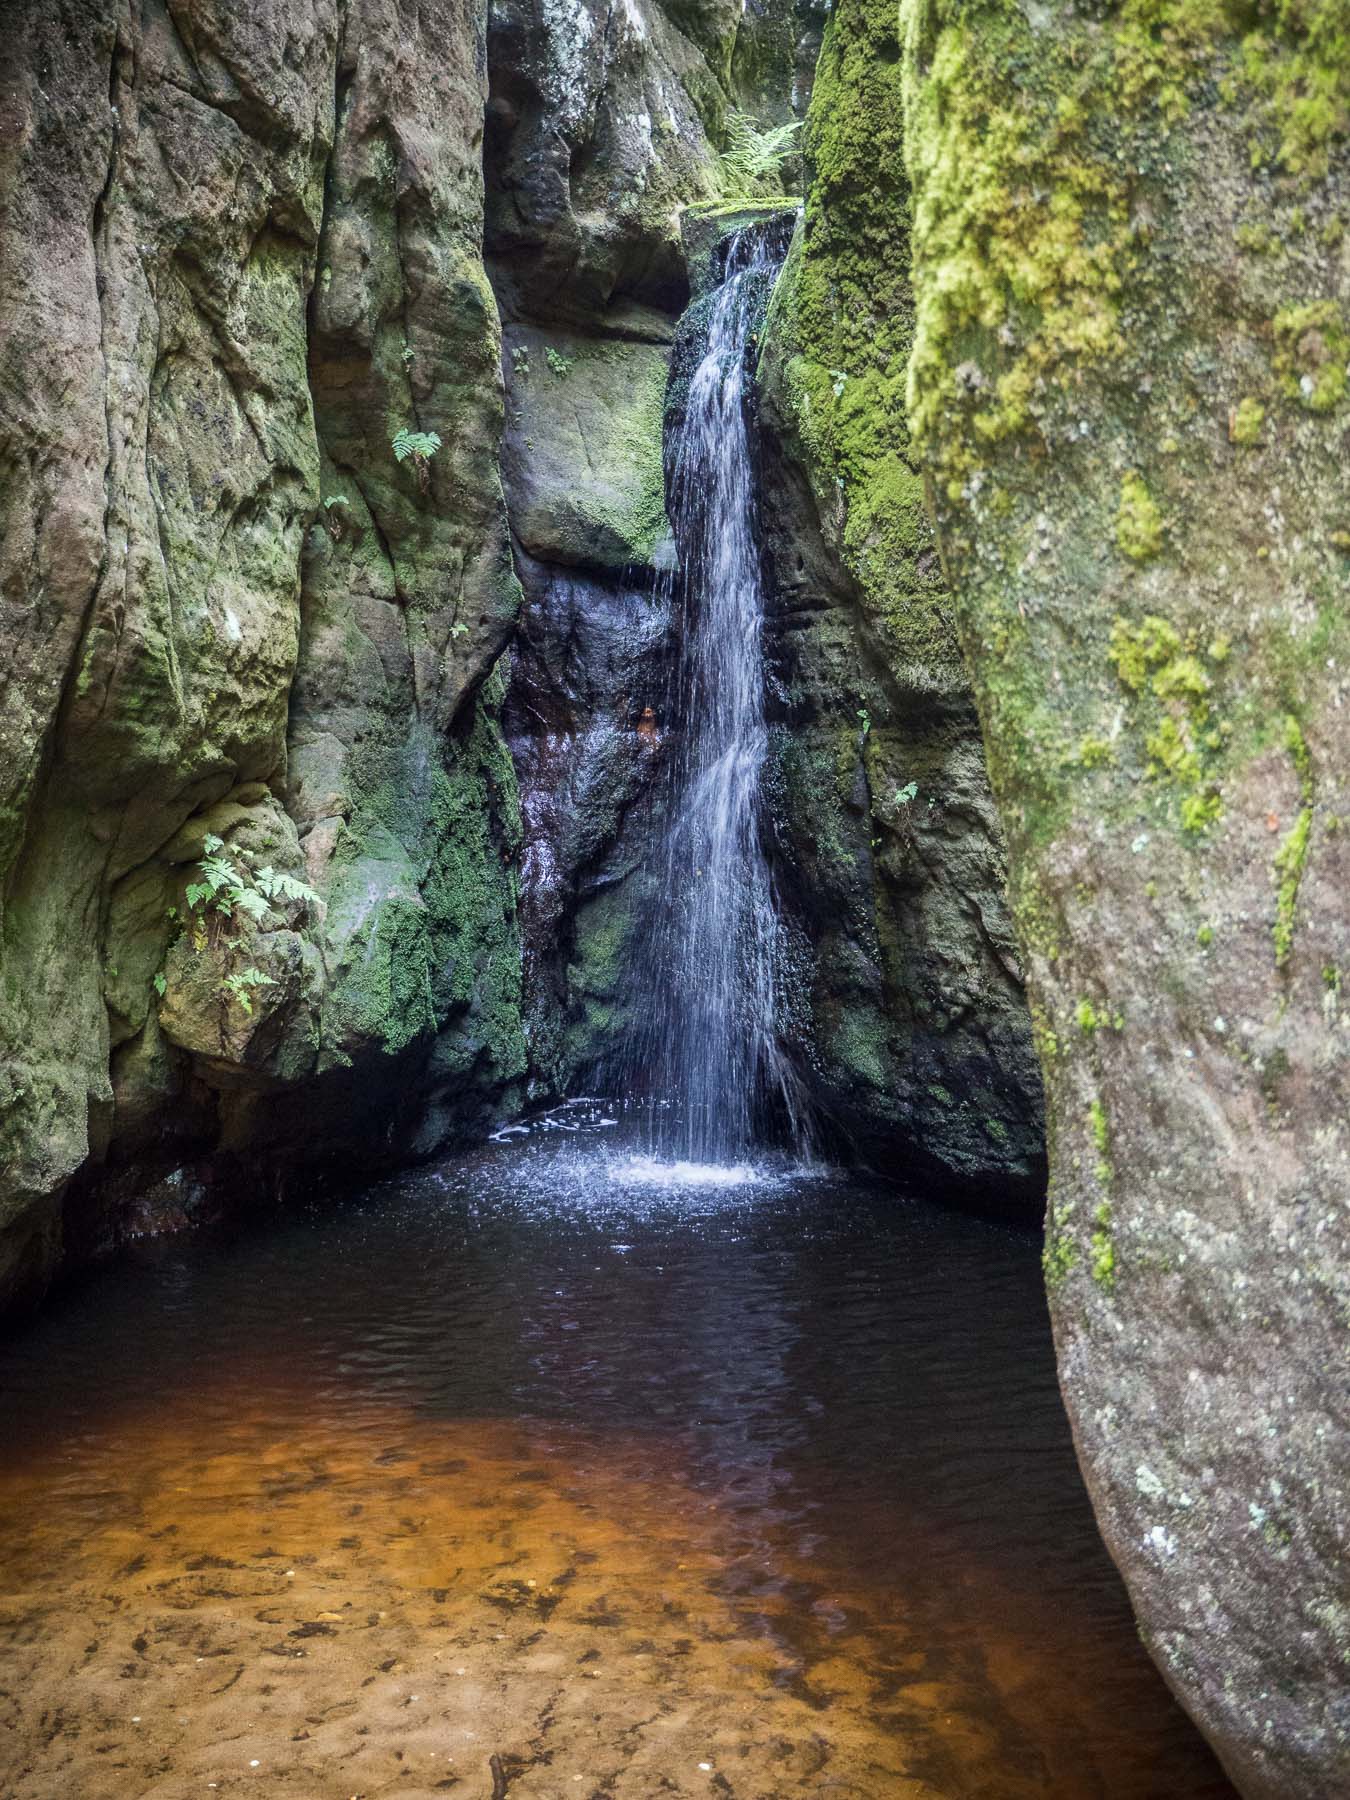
x=889, y=857
x=1130, y=387
x=240, y=249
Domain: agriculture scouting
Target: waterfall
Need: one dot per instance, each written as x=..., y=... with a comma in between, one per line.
x=705, y=974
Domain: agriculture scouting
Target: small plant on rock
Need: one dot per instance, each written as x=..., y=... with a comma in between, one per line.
x=221, y=892
x=420, y=447
x=754, y=159
x=335, y=507
x=237, y=986
x=226, y=891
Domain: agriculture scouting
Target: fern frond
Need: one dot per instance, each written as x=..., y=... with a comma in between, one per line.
x=422, y=445
x=250, y=901
x=217, y=873
x=752, y=163
x=284, y=887
x=237, y=986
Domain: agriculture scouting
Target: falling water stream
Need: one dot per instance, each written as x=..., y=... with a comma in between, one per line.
x=705, y=1037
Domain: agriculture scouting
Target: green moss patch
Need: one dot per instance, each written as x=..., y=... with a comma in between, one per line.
x=842, y=326
x=1292, y=855
x=1139, y=531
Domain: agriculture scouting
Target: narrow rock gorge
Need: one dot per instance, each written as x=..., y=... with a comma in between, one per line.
x=365, y=645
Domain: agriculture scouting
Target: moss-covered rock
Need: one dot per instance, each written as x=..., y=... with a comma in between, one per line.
x=905, y=992
x=241, y=251
x=583, y=460
x=1127, y=388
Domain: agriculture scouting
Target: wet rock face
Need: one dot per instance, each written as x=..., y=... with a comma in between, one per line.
x=1129, y=386
x=601, y=126
x=906, y=988
x=589, y=672
x=240, y=252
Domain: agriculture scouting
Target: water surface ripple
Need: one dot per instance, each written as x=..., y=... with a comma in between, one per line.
x=643, y=1483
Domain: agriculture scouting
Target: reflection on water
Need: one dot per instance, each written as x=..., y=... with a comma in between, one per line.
x=642, y=1485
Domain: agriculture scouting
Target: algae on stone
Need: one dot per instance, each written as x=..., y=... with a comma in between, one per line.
x=904, y=992
x=1128, y=392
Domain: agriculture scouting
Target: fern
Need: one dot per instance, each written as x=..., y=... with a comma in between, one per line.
x=220, y=886
x=230, y=890
x=224, y=890
x=754, y=160
x=217, y=873
x=407, y=443
x=249, y=900
x=283, y=887
x=236, y=987
x=421, y=446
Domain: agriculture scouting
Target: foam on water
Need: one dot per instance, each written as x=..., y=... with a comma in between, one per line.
x=647, y=1171
x=581, y=1156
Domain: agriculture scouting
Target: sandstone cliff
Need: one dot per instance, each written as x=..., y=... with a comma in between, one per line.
x=1129, y=390
x=264, y=876
x=241, y=251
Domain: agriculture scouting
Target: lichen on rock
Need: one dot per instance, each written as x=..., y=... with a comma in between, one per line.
x=1127, y=389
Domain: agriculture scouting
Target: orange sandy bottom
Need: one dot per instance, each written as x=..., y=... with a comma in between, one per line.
x=379, y=1608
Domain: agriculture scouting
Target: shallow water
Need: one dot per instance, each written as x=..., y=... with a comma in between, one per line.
x=756, y=1485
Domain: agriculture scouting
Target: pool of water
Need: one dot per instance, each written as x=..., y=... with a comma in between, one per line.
x=550, y=1472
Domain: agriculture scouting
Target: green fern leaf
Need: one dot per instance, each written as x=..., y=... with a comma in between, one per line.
x=250, y=901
